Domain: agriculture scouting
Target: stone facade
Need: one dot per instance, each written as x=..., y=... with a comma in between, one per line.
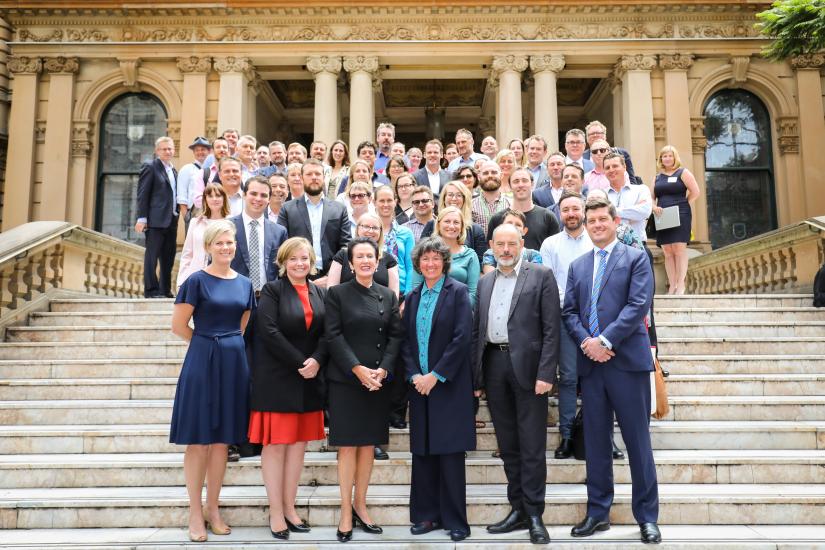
x=328, y=70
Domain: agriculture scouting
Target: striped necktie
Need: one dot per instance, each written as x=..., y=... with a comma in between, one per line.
x=254, y=256
x=593, y=319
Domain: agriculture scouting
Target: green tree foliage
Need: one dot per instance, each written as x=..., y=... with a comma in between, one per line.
x=796, y=26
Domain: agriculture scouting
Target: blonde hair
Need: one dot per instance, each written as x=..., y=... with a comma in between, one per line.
x=677, y=161
x=462, y=234
x=360, y=185
x=289, y=247
x=380, y=240
x=351, y=171
x=216, y=228
x=466, y=208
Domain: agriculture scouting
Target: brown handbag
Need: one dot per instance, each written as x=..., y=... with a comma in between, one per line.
x=662, y=406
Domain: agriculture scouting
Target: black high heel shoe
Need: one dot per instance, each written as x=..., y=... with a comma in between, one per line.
x=302, y=527
x=370, y=528
x=343, y=536
x=280, y=535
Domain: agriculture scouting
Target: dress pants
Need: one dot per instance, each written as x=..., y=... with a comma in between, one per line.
x=604, y=390
x=520, y=420
x=568, y=379
x=438, y=490
x=161, y=244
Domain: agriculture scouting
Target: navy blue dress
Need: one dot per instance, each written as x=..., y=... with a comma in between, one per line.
x=672, y=191
x=212, y=397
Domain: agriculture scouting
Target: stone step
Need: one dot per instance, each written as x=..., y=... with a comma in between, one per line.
x=164, y=388
x=727, y=301
x=100, y=318
x=734, y=329
x=120, y=305
x=619, y=537
x=806, y=345
x=109, y=507
x=320, y=468
x=665, y=435
x=96, y=368
x=740, y=364
x=781, y=314
x=90, y=333
x=174, y=349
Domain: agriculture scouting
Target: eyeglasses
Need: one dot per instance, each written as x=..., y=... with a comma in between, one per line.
x=466, y=176
x=595, y=133
x=574, y=142
x=358, y=196
x=421, y=201
x=405, y=185
x=454, y=195
x=600, y=150
x=373, y=228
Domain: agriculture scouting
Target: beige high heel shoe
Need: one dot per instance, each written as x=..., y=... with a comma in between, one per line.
x=211, y=526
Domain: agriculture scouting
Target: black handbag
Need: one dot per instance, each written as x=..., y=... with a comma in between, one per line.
x=578, y=436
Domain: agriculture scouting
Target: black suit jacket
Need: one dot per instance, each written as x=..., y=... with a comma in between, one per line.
x=155, y=198
x=274, y=235
x=421, y=178
x=282, y=343
x=335, y=226
x=532, y=326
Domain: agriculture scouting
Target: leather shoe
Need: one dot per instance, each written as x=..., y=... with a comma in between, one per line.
x=424, y=527
x=617, y=452
x=380, y=454
x=280, y=535
x=514, y=520
x=538, y=532
x=302, y=527
x=458, y=534
x=588, y=526
x=233, y=454
x=343, y=536
x=565, y=449
x=650, y=533
x=398, y=423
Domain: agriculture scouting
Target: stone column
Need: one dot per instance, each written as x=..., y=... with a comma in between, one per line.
x=507, y=69
x=325, y=70
x=699, y=144
x=811, y=129
x=253, y=90
x=54, y=197
x=233, y=97
x=362, y=70
x=677, y=109
x=546, y=69
x=193, y=116
x=20, y=165
x=791, y=199
x=80, y=205
x=637, y=103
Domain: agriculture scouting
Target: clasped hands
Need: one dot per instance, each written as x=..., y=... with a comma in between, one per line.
x=370, y=378
x=424, y=383
x=595, y=351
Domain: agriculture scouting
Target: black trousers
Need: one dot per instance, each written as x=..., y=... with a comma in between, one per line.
x=161, y=244
x=520, y=420
x=438, y=490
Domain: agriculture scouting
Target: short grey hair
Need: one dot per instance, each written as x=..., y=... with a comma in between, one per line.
x=431, y=244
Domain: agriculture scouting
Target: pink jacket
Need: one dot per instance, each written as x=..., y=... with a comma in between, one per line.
x=193, y=255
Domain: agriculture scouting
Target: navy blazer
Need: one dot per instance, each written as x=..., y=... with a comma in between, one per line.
x=625, y=298
x=421, y=178
x=543, y=197
x=442, y=422
x=274, y=236
x=335, y=226
x=155, y=198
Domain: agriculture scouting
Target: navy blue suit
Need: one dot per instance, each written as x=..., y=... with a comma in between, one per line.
x=274, y=235
x=543, y=197
x=622, y=384
x=156, y=204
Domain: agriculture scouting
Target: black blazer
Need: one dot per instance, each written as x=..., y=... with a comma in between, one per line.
x=443, y=421
x=335, y=226
x=363, y=327
x=274, y=236
x=155, y=198
x=281, y=345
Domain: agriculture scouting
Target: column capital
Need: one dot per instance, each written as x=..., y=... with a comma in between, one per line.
x=699, y=142
x=675, y=61
x=553, y=62
x=81, y=139
x=808, y=61
x=317, y=64
x=503, y=63
x=66, y=65
x=232, y=64
x=638, y=62
x=366, y=63
x=24, y=65
x=788, y=138
x=194, y=64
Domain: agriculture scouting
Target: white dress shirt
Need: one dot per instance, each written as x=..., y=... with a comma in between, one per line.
x=558, y=252
x=236, y=203
x=500, y=300
x=186, y=183
x=434, y=179
x=260, y=230
x=634, y=206
x=316, y=216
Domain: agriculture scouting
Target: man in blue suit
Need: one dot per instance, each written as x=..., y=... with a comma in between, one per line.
x=608, y=294
x=258, y=238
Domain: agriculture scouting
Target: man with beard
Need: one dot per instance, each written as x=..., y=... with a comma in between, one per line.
x=321, y=221
x=490, y=200
x=516, y=348
x=296, y=153
x=540, y=222
x=277, y=160
x=557, y=253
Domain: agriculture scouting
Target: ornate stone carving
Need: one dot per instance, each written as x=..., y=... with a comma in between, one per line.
x=675, y=61
x=129, y=70
x=40, y=131
x=81, y=139
x=173, y=131
x=194, y=64
x=659, y=128
x=697, y=135
x=61, y=64
x=540, y=63
x=638, y=62
x=503, y=63
x=808, y=61
x=211, y=129
x=613, y=79
x=24, y=65
x=232, y=64
x=723, y=30
x=788, y=138
x=324, y=64
x=740, y=66
x=367, y=63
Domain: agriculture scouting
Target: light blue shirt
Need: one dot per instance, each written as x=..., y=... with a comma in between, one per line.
x=634, y=205
x=459, y=161
x=596, y=259
x=316, y=216
x=186, y=183
x=424, y=324
x=464, y=268
x=558, y=252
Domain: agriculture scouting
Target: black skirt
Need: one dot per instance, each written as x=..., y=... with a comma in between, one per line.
x=357, y=416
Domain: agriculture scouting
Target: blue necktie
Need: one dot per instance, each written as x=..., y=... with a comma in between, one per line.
x=593, y=319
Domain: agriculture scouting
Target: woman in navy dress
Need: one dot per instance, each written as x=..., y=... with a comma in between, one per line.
x=675, y=186
x=211, y=407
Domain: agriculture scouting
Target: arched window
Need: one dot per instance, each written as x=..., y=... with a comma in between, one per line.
x=738, y=167
x=129, y=127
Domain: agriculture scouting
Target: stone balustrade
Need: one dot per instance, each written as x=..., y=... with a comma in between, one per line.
x=783, y=261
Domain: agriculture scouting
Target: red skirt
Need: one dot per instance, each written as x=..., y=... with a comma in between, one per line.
x=277, y=428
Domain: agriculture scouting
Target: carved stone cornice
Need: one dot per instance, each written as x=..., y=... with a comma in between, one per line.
x=553, y=63
x=194, y=64
x=504, y=63
x=808, y=61
x=788, y=138
x=675, y=61
x=698, y=140
x=57, y=65
x=366, y=63
x=739, y=67
x=324, y=64
x=232, y=64
x=81, y=139
x=24, y=65
x=638, y=62
x=129, y=70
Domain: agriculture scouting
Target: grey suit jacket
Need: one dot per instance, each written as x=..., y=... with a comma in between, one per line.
x=335, y=226
x=421, y=178
x=533, y=326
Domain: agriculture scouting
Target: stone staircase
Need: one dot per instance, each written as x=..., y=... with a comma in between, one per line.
x=85, y=401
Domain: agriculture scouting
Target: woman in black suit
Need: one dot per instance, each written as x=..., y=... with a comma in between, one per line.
x=364, y=335
x=289, y=352
x=438, y=319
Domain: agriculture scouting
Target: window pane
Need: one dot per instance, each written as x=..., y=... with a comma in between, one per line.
x=119, y=212
x=738, y=131
x=740, y=205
